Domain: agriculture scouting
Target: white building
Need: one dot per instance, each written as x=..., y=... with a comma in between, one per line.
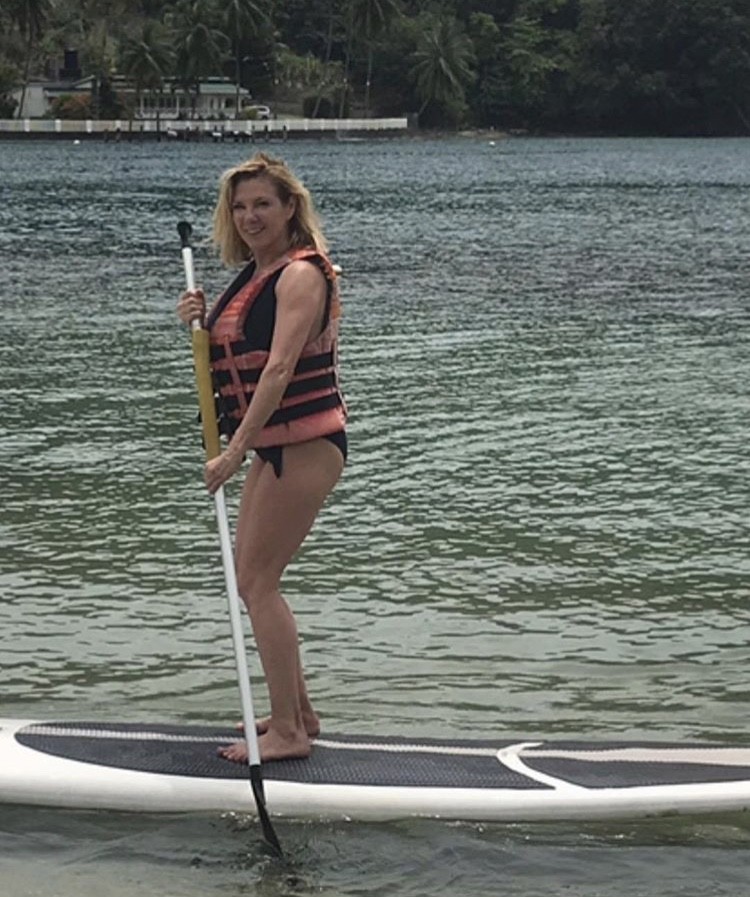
x=216, y=99
x=39, y=95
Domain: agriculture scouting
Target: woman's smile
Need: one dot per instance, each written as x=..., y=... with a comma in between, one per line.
x=260, y=216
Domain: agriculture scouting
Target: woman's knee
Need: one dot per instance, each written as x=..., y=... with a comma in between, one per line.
x=256, y=586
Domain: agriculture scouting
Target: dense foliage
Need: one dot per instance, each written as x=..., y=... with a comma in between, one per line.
x=611, y=66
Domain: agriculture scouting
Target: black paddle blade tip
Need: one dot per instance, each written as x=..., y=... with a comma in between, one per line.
x=184, y=229
x=269, y=834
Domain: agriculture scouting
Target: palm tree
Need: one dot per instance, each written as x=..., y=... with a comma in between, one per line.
x=443, y=63
x=200, y=45
x=320, y=87
x=30, y=16
x=370, y=18
x=98, y=24
x=147, y=59
x=242, y=19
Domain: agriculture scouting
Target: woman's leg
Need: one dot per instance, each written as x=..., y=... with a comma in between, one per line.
x=310, y=718
x=275, y=516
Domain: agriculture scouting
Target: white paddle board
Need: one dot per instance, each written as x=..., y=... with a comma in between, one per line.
x=171, y=768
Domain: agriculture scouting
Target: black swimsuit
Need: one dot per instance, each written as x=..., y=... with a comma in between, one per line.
x=274, y=454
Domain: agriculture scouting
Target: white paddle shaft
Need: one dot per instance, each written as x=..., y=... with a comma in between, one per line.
x=230, y=578
x=187, y=261
x=238, y=640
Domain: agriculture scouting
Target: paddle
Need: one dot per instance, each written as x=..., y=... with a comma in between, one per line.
x=213, y=449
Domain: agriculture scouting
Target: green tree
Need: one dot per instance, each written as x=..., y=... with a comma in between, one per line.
x=93, y=28
x=147, y=59
x=29, y=16
x=394, y=93
x=662, y=66
x=371, y=18
x=443, y=66
x=304, y=25
x=8, y=80
x=486, y=37
x=532, y=56
x=242, y=20
x=330, y=73
x=200, y=46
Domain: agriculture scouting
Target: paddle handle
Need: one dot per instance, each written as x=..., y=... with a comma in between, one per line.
x=206, y=402
x=185, y=230
x=187, y=263
x=201, y=354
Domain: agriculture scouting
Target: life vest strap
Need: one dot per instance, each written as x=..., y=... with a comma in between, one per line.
x=305, y=409
x=323, y=382
x=306, y=363
x=228, y=423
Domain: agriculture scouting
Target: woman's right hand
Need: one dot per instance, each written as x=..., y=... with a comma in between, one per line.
x=191, y=305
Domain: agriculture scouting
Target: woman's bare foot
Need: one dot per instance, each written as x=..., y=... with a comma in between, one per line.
x=275, y=746
x=310, y=720
x=272, y=746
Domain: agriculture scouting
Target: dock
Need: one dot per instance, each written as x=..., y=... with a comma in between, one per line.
x=245, y=131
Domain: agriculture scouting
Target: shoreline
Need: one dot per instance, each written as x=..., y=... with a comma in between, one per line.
x=281, y=130
x=227, y=131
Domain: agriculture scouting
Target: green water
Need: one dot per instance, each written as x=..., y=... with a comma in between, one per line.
x=542, y=531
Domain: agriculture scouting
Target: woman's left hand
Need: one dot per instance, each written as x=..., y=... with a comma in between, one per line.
x=218, y=470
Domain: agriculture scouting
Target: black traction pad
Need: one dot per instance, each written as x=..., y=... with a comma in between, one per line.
x=608, y=765
x=335, y=760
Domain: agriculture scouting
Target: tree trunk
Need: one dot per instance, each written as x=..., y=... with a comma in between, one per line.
x=237, y=74
x=368, y=82
x=329, y=46
x=743, y=118
x=347, y=62
x=27, y=69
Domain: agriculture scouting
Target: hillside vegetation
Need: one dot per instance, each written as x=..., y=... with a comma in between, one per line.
x=603, y=66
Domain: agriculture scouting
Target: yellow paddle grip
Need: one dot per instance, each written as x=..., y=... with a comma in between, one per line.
x=201, y=360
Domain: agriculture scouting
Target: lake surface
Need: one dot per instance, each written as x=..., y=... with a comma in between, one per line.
x=542, y=531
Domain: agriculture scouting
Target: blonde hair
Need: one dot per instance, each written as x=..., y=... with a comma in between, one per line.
x=304, y=226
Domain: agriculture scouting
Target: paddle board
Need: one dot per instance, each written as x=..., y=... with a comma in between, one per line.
x=172, y=768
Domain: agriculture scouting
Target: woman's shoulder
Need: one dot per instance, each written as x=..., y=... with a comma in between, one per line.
x=310, y=266
x=301, y=279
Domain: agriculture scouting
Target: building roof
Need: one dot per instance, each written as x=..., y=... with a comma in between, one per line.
x=228, y=89
x=208, y=87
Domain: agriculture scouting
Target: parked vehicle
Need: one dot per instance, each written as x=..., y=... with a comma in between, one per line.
x=262, y=112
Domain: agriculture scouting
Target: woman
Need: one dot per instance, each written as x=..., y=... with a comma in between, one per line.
x=273, y=353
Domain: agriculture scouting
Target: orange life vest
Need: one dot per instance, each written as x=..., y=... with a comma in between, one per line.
x=312, y=404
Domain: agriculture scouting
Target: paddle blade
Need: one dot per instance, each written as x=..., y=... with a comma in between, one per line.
x=256, y=783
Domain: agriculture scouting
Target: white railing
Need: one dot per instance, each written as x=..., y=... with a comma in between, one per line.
x=229, y=127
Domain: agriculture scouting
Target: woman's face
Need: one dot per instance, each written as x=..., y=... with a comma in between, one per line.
x=261, y=218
